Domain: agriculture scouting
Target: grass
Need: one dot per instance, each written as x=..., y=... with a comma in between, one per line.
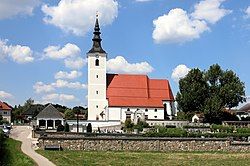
x=13, y=156
x=63, y=158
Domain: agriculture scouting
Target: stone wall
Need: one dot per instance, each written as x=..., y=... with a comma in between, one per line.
x=144, y=144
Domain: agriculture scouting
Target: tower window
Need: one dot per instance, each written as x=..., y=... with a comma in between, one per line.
x=96, y=106
x=96, y=76
x=97, y=62
x=97, y=92
x=155, y=110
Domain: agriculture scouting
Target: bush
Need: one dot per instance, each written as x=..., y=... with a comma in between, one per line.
x=60, y=128
x=167, y=132
x=243, y=130
x=140, y=125
x=221, y=128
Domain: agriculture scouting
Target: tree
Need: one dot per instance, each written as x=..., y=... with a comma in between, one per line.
x=89, y=128
x=210, y=92
x=60, y=127
x=193, y=92
x=69, y=114
x=66, y=128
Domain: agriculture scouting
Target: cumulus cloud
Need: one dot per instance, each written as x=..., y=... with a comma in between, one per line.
x=121, y=65
x=57, y=52
x=75, y=63
x=210, y=10
x=77, y=16
x=178, y=26
x=55, y=97
x=65, y=84
x=65, y=75
x=247, y=12
x=143, y=0
x=10, y=8
x=40, y=87
x=18, y=53
x=5, y=95
x=180, y=72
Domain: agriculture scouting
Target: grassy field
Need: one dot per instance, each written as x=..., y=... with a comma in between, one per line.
x=13, y=156
x=76, y=158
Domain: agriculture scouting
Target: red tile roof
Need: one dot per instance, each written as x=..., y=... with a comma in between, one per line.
x=126, y=90
x=4, y=106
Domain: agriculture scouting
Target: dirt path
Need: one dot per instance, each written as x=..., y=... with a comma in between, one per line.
x=23, y=134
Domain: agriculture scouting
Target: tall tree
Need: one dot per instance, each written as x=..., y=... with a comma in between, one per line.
x=193, y=92
x=210, y=92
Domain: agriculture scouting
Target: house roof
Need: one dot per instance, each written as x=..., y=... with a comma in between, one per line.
x=128, y=90
x=4, y=106
x=50, y=112
x=32, y=110
x=245, y=108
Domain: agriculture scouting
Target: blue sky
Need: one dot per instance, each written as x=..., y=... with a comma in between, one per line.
x=43, y=43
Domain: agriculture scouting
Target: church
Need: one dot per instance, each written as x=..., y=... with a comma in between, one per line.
x=117, y=97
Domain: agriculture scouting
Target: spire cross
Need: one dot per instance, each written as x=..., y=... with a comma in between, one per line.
x=97, y=14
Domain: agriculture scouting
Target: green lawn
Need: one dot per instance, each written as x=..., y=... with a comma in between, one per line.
x=13, y=156
x=75, y=158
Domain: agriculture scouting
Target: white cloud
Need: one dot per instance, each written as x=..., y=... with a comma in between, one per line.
x=143, y=0
x=75, y=63
x=40, y=87
x=120, y=65
x=77, y=16
x=65, y=75
x=18, y=53
x=56, y=52
x=54, y=97
x=65, y=84
x=5, y=95
x=247, y=12
x=210, y=10
x=178, y=26
x=180, y=72
x=10, y=8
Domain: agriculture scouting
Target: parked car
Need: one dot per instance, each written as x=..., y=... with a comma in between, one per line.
x=6, y=130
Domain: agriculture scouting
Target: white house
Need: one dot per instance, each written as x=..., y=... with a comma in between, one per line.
x=117, y=97
x=5, y=111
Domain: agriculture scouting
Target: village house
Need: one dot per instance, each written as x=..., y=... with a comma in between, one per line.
x=5, y=111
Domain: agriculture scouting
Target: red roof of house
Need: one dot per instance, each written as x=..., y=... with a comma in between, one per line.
x=4, y=106
x=125, y=90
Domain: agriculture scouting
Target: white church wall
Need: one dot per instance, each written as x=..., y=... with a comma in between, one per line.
x=119, y=113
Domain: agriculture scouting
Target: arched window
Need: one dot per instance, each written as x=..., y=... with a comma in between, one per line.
x=97, y=62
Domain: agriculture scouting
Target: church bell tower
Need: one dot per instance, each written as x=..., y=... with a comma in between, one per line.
x=97, y=102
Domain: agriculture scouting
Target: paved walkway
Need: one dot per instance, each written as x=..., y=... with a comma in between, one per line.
x=23, y=134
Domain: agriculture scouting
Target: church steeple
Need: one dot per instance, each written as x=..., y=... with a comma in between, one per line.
x=96, y=39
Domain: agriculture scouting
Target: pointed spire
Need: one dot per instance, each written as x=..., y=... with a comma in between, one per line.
x=96, y=39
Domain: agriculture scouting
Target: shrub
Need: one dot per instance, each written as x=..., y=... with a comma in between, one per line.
x=60, y=128
x=221, y=128
x=243, y=130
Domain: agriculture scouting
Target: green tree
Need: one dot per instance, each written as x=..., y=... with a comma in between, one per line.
x=66, y=127
x=89, y=128
x=210, y=92
x=193, y=92
x=69, y=114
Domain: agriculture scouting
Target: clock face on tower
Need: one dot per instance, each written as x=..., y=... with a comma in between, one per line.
x=97, y=56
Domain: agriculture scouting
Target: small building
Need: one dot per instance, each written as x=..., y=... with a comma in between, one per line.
x=5, y=111
x=243, y=112
x=49, y=118
x=198, y=118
